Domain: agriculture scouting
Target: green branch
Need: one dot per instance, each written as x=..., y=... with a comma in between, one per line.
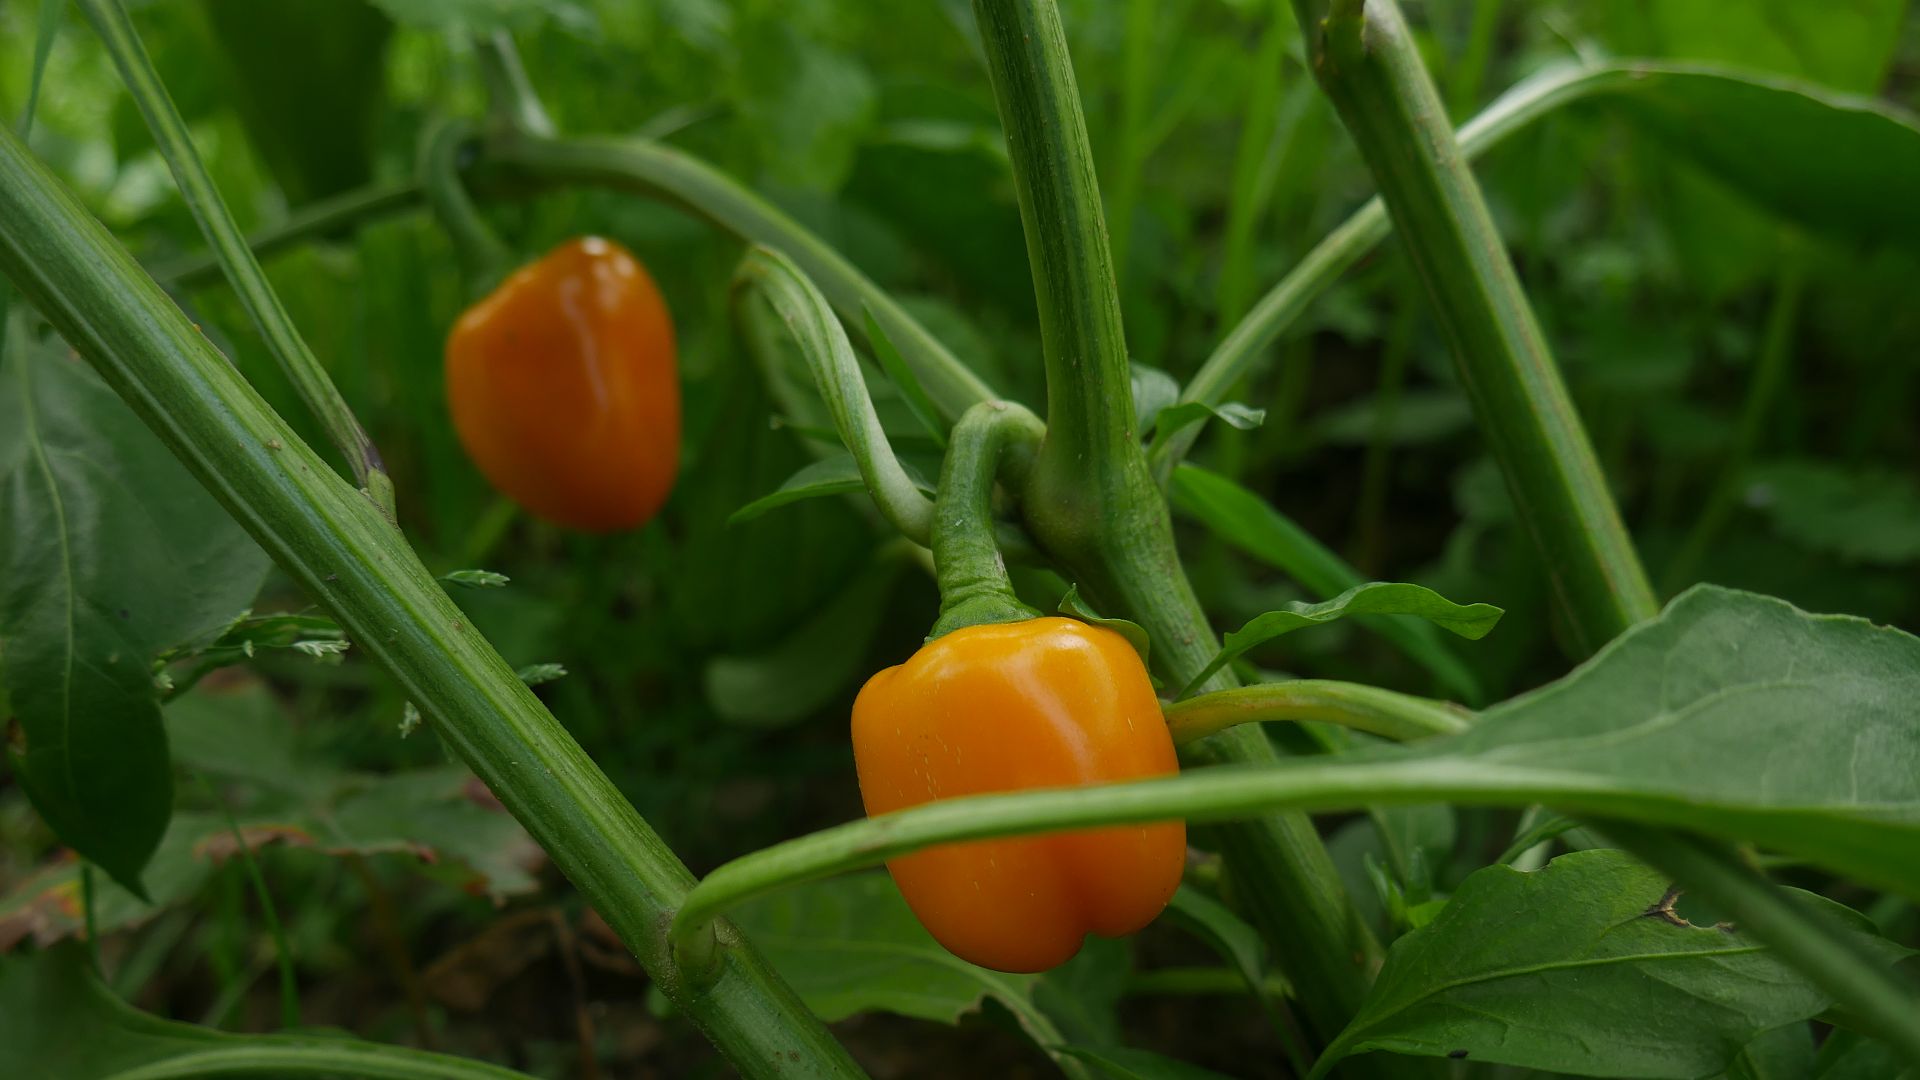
x=836, y=372
x=992, y=438
x=318, y=219
x=662, y=172
x=197, y=189
x=1385, y=713
x=350, y=560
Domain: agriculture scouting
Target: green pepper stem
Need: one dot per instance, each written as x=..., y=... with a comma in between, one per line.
x=991, y=438
x=512, y=104
x=1385, y=713
x=484, y=259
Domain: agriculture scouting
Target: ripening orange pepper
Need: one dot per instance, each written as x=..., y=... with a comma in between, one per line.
x=564, y=388
x=1048, y=702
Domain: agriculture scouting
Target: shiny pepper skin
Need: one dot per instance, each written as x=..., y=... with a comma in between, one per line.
x=565, y=391
x=1004, y=707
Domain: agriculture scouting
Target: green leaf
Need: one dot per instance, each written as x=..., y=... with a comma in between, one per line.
x=850, y=944
x=1819, y=157
x=1785, y=1053
x=1175, y=418
x=1849, y=1056
x=478, y=579
x=110, y=554
x=835, y=474
x=309, y=83
x=1582, y=967
x=1125, y=1063
x=1847, y=46
x=1473, y=621
x=1074, y=606
x=47, y=27
x=1244, y=520
x=800, y=675
x=57, y=1019
x=541, y=674
x=1082, y=996
x=1154, y=391
x=903, y=378
x=1868, y=516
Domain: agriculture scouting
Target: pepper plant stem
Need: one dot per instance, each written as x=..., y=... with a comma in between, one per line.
x=1092, y=504
x=663, y=172
x=974, y=588
x=350, y=560
x=1369, y=66
x=115, y=30
x=329, y=215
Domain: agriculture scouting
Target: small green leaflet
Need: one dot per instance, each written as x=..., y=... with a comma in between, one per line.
x=903, y=378
x=1074, y=606
x=1173, y=418
x=536, y=674
x=1584, y=967
x=1153, y=392
x=1471, y=621
x=478, y=579
x=835, y=474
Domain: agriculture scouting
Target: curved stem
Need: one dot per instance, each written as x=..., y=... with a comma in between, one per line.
x=1386, y=713
x=332, y=215
x=512, y=103
x=663, y=172
x=115, y=30
x=836, y=371
x=974, y=588
x=259, y=1056
x=353, y=563
x=484, y=259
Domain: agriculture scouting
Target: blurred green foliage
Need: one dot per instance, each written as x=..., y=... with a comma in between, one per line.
x=1661, y=288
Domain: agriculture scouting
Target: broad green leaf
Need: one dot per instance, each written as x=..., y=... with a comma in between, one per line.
x=1844, y=45
x=850, y=944
x=58, y=1020
x=1582, y=967
x=1472, y=621
x=1862, y=516
x=110, y=553
x=903, y=378
x=816, y=661
x=1739, y=715
x=309, y=83
x=1075, y=606
x=1082, y=996
x=1125, y=1063
x=1244, y=520
x=836, y=474
x=1785, y=1053
x=1847, y=1056
x=1813, y=155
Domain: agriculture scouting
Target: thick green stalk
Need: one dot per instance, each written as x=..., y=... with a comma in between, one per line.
x=1368, y=64
x=1386, y=713
x=974, y=587
x=662, y=172
x=351, y=561
x=115, y=29
x=1093, y=506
